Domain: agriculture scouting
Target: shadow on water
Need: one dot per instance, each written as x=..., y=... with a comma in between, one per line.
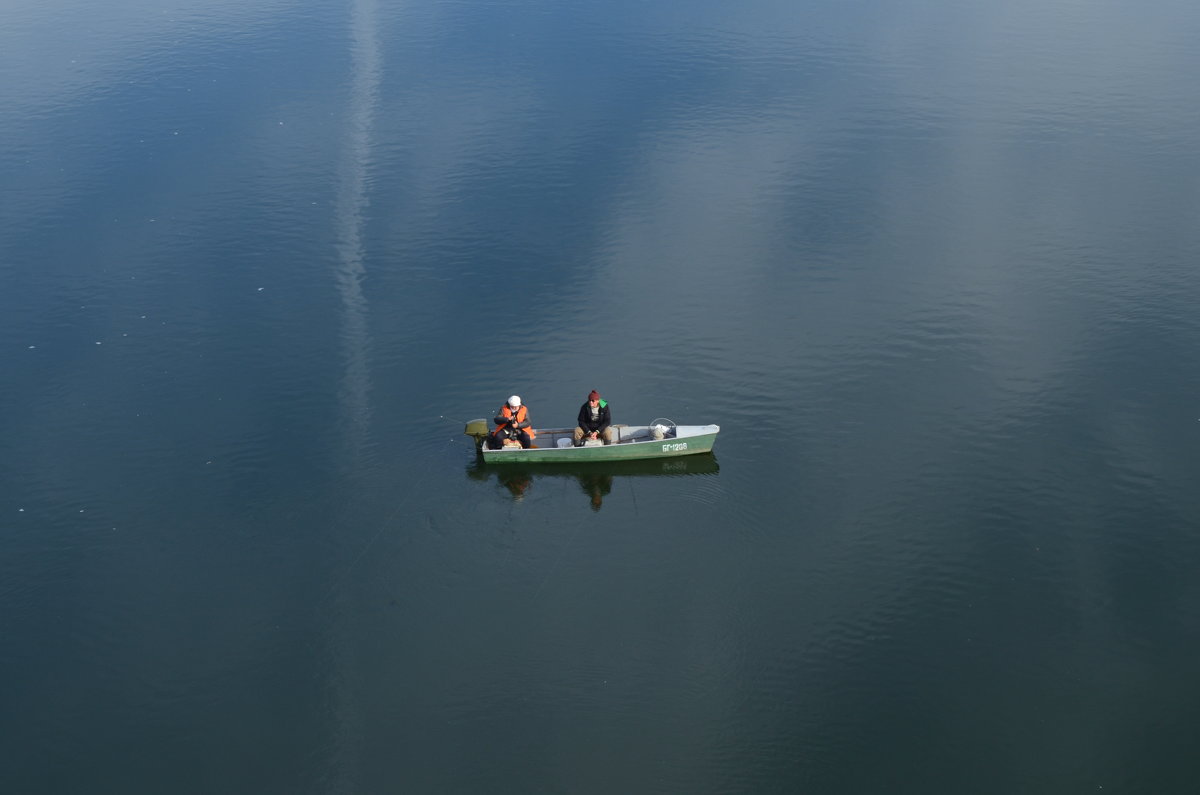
x=595, y=479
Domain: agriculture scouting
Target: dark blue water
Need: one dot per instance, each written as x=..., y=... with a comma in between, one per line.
x=931, y=266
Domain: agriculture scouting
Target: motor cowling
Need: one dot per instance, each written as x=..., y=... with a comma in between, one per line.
x=478, y=430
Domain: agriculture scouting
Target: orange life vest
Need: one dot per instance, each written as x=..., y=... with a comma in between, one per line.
x=522, y=416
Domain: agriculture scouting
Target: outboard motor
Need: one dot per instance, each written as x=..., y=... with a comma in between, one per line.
x=478, y=430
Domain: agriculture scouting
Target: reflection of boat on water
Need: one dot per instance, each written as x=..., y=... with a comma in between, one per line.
x=595, y=478
x=702, y=464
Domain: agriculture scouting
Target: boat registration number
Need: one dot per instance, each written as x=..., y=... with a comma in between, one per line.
x=674, y=447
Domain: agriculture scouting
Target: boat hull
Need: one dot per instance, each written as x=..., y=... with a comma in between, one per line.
x=635, y=443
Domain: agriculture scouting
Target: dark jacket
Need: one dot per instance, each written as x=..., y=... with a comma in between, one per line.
x=585, y=417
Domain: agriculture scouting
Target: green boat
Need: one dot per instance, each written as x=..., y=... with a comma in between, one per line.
x=661, y=438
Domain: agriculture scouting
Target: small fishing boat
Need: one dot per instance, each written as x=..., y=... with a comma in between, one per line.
x=661, y=438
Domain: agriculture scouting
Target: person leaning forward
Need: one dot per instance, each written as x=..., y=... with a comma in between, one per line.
x=512, y=422
x=595, y=420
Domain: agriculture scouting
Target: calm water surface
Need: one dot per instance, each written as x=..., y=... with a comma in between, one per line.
x=932, y=266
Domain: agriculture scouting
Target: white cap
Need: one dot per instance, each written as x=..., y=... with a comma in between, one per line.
x=515, y=401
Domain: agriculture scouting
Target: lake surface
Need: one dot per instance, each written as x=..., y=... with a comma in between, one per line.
x=932, y=266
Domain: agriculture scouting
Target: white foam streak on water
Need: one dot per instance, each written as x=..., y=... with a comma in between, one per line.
x=352, y=200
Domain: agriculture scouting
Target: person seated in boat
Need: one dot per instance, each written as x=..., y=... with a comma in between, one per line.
x=512, y=423
x=595, y=420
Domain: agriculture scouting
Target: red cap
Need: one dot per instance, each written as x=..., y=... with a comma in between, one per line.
x=593, y=395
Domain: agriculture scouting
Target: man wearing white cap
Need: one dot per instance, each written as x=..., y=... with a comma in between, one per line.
x=512, y=422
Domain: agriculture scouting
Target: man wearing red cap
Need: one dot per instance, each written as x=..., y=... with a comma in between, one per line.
x=595, y=420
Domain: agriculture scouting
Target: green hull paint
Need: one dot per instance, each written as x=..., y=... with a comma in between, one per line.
x=690, y=440
x=610, y=452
